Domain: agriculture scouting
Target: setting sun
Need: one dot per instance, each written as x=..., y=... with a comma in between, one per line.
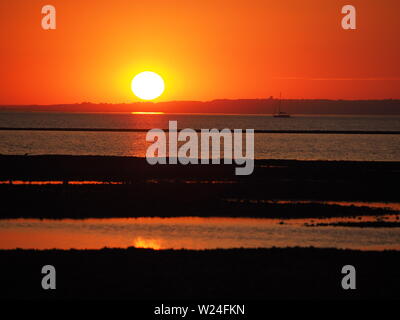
x=147, y=85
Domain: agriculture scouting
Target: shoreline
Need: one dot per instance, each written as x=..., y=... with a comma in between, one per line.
x=192, y=190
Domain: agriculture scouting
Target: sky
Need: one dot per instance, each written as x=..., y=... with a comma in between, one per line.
x=203, y=49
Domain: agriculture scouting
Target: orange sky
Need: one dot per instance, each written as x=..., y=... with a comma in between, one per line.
x=205, y=49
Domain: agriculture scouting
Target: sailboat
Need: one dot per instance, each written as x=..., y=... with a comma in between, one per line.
x=280, y=114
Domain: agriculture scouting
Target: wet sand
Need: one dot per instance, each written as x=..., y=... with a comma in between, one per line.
x=367, y=224
x=132, y=188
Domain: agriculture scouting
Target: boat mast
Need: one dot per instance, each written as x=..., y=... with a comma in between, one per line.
x=280, y=102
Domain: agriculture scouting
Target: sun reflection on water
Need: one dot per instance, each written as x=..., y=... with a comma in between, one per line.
x=140, y=242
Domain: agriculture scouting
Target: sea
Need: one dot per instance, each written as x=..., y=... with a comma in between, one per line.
x=300, y=146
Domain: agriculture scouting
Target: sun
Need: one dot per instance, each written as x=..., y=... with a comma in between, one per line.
x=147, y=85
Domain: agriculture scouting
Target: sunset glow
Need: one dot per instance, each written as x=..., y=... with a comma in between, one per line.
x=204, y=50
x=147, y=112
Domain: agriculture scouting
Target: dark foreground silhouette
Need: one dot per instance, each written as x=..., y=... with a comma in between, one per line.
x=193, y=190
x=245, y=274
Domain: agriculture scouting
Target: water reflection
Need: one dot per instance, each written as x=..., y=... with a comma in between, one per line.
x=140, y=242
x=53, y=182
x=266, y=146
x=192, y=233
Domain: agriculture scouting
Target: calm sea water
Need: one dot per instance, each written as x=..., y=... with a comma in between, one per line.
x=269, y=146
x=191, y=233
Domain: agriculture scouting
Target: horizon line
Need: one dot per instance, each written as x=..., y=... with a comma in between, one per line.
x=197, y=101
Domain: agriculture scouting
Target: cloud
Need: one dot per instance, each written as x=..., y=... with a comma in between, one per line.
x=339, y=79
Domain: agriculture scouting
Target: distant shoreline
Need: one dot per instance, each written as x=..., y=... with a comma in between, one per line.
x=199, y=130
x=214, y=114
x=226, y=106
